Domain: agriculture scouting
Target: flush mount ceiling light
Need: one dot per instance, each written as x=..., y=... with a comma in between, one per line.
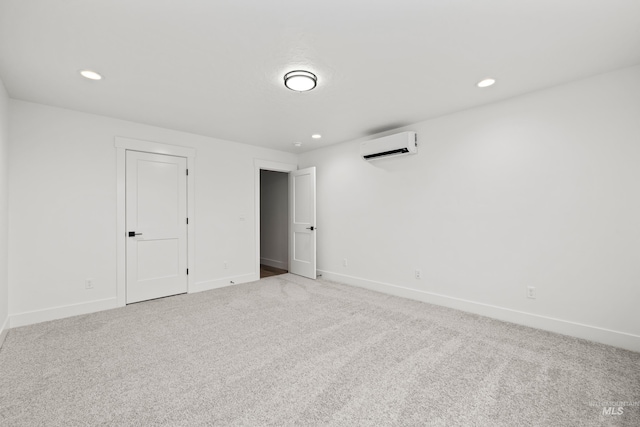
x=297, y=144
x=316, y=136
x=91, y=75
x=300, y=81
x=486, y=82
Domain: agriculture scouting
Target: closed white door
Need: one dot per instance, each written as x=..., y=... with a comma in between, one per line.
x=156, y=204
x=302, y=247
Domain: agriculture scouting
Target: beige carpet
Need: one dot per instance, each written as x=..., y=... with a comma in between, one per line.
x=291, y=351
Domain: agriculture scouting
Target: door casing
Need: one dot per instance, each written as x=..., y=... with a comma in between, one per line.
x=269, y=166
x=122, y=145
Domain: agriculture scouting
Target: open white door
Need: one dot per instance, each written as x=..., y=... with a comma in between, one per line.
x=156, y=206
x=302, y=247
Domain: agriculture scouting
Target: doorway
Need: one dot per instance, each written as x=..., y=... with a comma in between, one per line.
x=156, y=215
x=166, y=236
x=301, y=217
x=274, y=223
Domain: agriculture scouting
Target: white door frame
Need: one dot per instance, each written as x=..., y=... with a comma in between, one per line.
x=122, y=145
x=269, y=166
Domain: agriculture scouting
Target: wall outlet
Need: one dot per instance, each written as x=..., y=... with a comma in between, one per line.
x=226, y=264
x=418, y=274
x=531, y=292
x=345, y=263
x=88, y=284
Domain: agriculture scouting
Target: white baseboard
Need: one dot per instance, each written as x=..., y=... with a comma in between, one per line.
x=37, y=316
x=4, y=329
x=274, y=263
x=565, y=327
x=207, y=285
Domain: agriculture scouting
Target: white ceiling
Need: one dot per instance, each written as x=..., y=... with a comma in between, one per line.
x=215, y=67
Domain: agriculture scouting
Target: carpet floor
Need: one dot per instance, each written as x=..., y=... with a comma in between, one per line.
x=291, y=351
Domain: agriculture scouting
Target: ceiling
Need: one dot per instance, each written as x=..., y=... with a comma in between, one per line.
x=215, y=67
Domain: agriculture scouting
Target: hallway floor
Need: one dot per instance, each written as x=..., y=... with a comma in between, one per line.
x=267, y=271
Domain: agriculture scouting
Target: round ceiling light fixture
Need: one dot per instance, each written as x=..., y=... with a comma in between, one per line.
x=91, y=75
x=316, y=136
x=300, y=81
x=486, y=82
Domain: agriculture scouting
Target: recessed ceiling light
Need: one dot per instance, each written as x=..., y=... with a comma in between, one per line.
x=91, y=75
x=316, y=136
x=300, y=81
x=297, y=144
x=486, y=82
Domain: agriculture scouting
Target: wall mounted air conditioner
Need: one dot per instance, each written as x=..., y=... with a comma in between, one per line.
x=388, y=146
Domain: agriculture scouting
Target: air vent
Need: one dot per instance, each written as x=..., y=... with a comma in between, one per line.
x=393, y=145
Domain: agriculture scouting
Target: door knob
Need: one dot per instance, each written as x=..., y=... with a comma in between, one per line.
x=133, y=234
x=311, y=228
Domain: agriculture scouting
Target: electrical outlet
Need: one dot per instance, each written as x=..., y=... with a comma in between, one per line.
x=418, y=274
x=226, y=265
x=88, y=284
x=531, y=292
x=345, y=262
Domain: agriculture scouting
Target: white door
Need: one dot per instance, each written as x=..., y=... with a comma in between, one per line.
x=156, y=204
x=302, y=247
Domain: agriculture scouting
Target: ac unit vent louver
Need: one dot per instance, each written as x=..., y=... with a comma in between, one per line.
x=393, y=145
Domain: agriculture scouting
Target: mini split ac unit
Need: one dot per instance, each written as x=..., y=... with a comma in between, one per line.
x=389, y=146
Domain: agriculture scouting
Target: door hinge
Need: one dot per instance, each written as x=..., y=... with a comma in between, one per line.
x=187, y=271
x=187, y=220
x=187, y=171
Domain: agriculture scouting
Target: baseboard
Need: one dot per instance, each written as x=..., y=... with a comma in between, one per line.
x=4, y=329
x=565, y=327
x=37, y=316
x=275, y=264
x=207, y=285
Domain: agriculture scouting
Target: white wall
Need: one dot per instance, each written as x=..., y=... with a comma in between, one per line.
x=540, y=190
x=4, y=209
x=274, y=223
x=62, y=208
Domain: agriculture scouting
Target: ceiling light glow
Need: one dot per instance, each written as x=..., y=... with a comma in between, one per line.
x=91, y=75
x=316, y=136
x=300, y=81
x=486, y=82
x=297, y=144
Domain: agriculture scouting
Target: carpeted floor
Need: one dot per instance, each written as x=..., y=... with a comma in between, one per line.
x=291, y=351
